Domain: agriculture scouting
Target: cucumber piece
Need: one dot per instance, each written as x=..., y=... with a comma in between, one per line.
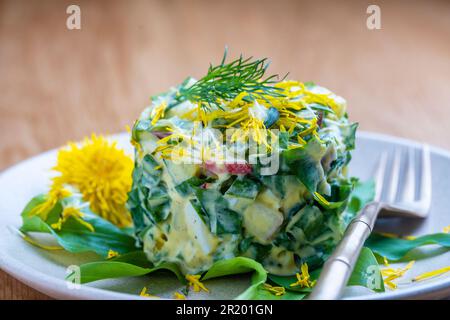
x=262, y=222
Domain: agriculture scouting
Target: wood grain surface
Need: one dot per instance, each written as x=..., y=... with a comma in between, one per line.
x=58, y=84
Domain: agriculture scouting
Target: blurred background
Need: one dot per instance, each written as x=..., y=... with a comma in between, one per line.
x=58, y=84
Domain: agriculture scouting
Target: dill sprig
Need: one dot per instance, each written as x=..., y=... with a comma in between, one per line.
x=226, y=81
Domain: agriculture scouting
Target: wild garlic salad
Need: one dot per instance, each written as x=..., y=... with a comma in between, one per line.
x=237, y=172
x=195, y=200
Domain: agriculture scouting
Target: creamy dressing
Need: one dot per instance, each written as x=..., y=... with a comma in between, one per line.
x=296, y=193
x=184, y=238
x=280, y=262
x=188, y=243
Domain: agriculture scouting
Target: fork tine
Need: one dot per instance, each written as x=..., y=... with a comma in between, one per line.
x=425, y=179
x=395, y=173
x=409, y=188
x=379, y=176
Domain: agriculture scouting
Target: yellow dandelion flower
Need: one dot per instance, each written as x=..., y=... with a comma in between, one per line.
x=102, y=174
x=194, y=282
x=446, y=229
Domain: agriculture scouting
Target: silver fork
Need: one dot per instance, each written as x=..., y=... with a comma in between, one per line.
x=388, y=202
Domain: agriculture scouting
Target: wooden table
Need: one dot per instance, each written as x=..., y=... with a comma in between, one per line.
x=58, y=84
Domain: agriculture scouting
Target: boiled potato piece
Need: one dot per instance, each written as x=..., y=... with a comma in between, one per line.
x=262, y=219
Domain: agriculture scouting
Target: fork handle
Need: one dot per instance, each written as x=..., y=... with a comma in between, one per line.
x=338, y=268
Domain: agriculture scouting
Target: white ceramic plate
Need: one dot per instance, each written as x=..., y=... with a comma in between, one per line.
x=45, y=270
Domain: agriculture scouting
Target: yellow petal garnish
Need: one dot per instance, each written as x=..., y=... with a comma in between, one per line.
x=55, y=194
x=321, y=199
x=278, y=291
x=179, y=296
x=158, y=112
x=303, y=279
x=431, y=274
x=30, y=240
x=144, y=293
x=102, y=174
x=194, y=282
x=201, y=114
x=112, y=254
x=389, y=274
x=392, y=235
x=71, y=212
x=246, y=115
x=39, y=245
x=238, y=99
x=388, y=235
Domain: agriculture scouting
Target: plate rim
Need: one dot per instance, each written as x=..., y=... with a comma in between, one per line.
x=58, y=289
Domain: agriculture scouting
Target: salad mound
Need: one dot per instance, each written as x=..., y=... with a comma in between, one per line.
x=201, y=193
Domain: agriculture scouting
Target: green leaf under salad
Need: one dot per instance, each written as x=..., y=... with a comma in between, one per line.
x=129, y=265
x=74, y=236
x=366, y=274
x=239, y=265
x=395, y=249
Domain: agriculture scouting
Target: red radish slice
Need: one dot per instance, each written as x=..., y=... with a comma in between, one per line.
x=161, y=134
x=238, y=168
